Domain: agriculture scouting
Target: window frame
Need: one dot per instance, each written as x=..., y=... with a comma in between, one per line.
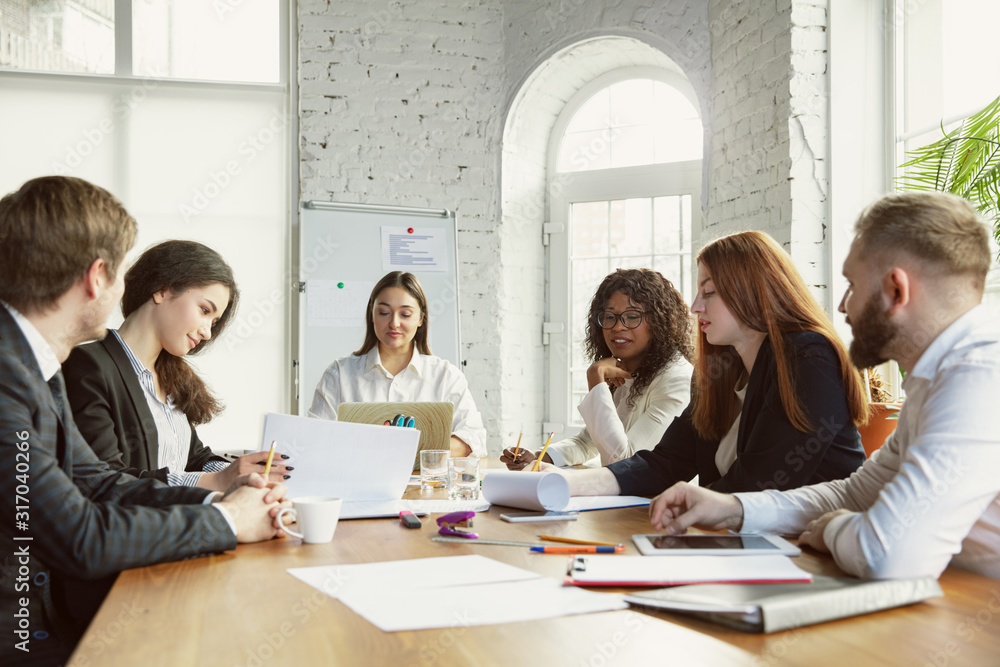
x=567, y=188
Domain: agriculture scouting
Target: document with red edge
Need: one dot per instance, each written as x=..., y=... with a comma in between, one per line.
x=678, y=570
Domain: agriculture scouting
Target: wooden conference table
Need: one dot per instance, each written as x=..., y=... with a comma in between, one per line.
x=242, y=608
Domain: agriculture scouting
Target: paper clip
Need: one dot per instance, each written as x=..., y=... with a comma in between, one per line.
x=451, y=523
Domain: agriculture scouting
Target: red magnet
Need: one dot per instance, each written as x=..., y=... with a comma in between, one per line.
x=410, y=230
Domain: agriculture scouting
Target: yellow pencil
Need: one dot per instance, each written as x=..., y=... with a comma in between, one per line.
x=518, y=448
x=270, y=458
x=538, y=461
x=570, y=540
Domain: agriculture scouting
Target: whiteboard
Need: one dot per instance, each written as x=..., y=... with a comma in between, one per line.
x=344, y=249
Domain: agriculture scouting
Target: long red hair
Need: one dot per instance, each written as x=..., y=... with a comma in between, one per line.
x=761, y=287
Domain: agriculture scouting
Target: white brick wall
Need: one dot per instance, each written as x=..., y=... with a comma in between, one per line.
x=407, y=103
x=770, y=116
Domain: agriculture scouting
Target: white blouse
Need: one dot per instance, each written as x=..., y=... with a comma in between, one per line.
x=616, y=431
x=364, y=379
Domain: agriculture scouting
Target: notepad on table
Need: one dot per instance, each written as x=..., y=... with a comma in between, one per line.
x=773, y=607
x=679, y=570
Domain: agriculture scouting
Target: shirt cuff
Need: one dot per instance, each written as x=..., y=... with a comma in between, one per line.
x=225, y=513
x=183, y=478
x=215, y=465
x=557, y=456
x=756, y=511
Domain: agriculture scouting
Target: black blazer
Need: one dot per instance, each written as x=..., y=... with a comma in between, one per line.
x=110, y=409
x=770, y=452
x=86, y=522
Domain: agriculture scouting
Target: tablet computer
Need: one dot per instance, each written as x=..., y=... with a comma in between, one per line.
x=713, y=545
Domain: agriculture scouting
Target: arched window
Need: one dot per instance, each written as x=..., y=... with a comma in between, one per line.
x=625, y=191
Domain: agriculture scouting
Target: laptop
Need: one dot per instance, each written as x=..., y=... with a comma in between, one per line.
x=433, y=420
x=356, y=462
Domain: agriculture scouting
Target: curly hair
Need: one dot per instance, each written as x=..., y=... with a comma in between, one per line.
x=664, y=311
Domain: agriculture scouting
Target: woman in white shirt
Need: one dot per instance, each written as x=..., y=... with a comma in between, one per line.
x=639, y=338
x=395, y=364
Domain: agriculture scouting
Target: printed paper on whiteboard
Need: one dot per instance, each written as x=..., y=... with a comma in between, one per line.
x=424, y=250
x=337, y=303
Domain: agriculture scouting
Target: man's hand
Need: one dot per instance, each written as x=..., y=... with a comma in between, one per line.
x=813, y=534
x=684, y=505
x=253, y=504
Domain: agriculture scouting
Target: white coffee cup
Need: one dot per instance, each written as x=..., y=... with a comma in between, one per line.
x=317, y=518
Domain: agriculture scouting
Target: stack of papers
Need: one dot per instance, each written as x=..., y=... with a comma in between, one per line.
x=450, y=592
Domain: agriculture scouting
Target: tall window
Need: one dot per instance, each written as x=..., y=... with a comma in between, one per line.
x=947, y=68
x=625, y=192
x=138, y=97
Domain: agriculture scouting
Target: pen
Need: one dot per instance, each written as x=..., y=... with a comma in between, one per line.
x=270, y=459
x=541, y=455
x=617, y=549
x=570, y=540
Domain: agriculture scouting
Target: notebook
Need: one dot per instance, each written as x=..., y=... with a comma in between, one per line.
x=773, y=607
x=678, y=570
x=432, y=420
x=356, y=462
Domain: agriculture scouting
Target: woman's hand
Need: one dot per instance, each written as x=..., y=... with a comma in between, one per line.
x=607, y=370
x=244, y=465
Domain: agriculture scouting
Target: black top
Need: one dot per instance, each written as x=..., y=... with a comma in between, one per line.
x=770, y=452
x=110, y=409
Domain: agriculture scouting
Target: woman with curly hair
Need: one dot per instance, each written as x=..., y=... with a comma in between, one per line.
x=776, y=401
x=639, y=338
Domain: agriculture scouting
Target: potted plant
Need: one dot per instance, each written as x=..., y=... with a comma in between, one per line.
x=883, y=413
x=964, y=162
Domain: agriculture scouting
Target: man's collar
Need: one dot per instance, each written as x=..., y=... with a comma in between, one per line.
x=926, y=366
x=48, y=364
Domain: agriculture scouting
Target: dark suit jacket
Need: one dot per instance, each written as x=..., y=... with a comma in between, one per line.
x=86, y=522
x=770, y=452
x=110, y=409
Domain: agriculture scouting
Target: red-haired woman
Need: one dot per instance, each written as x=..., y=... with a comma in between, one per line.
x=776, y=400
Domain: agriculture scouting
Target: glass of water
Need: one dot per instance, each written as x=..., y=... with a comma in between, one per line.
x=463, y=478
x=434, y=468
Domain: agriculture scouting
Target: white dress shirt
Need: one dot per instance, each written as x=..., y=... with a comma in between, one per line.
x=931, y=494
x=725, y=455
x=615, y=430
x=426, y=379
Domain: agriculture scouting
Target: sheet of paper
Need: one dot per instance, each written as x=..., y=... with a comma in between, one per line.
x=482, y=604
x=674, y=570
x=414, y=249
x=337, y=303
x=588, y=503
x=527, y=490
x=375, y=579
x=342, y=459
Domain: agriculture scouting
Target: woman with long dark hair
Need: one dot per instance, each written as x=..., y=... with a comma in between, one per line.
x=395, y=364
x=776, y=400
x=639, y=342
x=135, y=398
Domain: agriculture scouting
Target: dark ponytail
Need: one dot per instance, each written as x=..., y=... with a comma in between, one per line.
x=178, y=266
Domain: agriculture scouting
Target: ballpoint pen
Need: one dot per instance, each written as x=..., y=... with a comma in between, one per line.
x=617, y=549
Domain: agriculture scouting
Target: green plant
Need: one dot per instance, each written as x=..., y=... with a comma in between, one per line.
x=964, y=162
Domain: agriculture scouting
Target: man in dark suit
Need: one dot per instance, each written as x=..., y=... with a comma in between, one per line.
x=68, y=523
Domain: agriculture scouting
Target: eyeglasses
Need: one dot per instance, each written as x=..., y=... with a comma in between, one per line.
x=630, y=318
